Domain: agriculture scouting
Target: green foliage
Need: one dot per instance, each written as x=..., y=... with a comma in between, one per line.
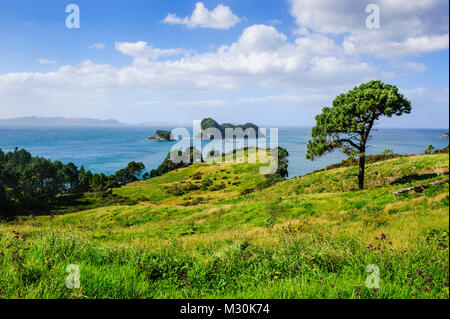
x=441, y=151
x=283, y=162
x=164, y=134
x=190, y=156
x=33, y=184
x=131, y=173
x=430, y=149
x=347, y=124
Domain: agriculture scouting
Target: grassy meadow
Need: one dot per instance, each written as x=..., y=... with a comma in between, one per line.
x=219, y=230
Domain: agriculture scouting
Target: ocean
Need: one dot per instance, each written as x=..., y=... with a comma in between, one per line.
x=107, y=149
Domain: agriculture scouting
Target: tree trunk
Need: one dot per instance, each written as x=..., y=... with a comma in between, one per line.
x=362, y=165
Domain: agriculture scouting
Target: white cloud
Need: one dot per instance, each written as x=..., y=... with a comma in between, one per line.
x=45, y=61
x=99, y=46
x=261, y=55
x=141, y=50
x=220, y=18
x=406, y=27
x=306, y=72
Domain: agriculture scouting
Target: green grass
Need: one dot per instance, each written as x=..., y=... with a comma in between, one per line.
x=306, y=237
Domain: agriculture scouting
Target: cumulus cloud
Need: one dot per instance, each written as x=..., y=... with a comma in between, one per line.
x=406, y=27
x=261, y=55
x=308, y=71
x=141, y=50
x=220, y=18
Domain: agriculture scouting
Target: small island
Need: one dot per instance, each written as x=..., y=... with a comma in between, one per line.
x=162, y=135
x=211, y=123
x=445, y=135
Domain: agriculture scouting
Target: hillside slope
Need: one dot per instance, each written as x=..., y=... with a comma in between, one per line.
x=216, y=230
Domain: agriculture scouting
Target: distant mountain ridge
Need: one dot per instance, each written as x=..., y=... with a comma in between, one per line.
x=34, y=120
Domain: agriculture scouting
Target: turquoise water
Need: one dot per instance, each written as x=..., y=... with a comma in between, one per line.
x=107, y=149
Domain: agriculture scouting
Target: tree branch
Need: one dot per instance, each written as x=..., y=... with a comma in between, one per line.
x=420, y=188
x=350, y=142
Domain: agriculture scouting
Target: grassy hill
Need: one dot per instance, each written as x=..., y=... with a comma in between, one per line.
x=220, y=231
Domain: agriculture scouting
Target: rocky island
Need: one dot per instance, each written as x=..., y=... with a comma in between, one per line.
x=162, y=135
x=445, y=135
x=211, y=123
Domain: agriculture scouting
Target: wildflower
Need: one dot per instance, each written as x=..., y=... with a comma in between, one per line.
x=426, y=288
x=420, y=272
x=390, y=243
x=387, y=265
x=383, y=236
x=357, y=294
x=376, y=238
x=319, y=282
x=445, y=283
x=332, y=285
x=442, y=245
x=427, y=279
x=321, y=278
x=408, y=276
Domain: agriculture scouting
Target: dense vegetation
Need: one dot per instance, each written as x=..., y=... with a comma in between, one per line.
x=189, y=156
x=199, y=232
x=33, y=184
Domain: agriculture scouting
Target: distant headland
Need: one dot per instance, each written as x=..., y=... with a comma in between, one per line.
x=34, y=120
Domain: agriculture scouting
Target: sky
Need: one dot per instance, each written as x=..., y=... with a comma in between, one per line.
x=271, y=62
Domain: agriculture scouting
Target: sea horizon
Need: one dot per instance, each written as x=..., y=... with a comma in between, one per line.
x=108, y=148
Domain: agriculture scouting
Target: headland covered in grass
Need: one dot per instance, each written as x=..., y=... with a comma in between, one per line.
x=222, y=230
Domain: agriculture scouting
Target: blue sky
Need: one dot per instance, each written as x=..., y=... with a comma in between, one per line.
x=269, y=62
